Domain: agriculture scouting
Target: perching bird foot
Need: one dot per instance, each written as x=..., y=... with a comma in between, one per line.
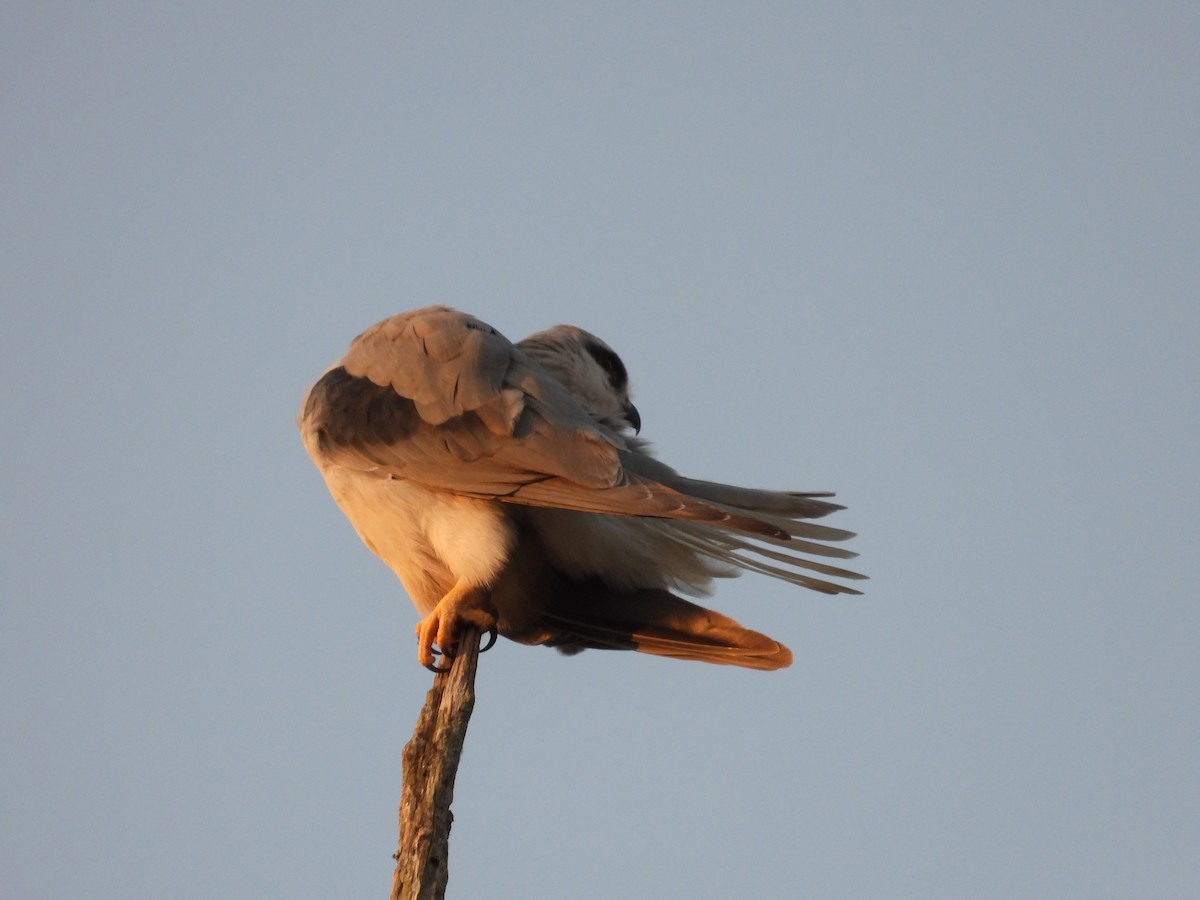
x=438, y=633
x=492, y=633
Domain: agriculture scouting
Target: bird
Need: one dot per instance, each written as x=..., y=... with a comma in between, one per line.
x=508, y=488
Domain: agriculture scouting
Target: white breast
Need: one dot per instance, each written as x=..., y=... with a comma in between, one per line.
x=431, y=540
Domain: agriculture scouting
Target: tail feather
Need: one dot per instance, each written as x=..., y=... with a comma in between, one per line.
x=659, y=623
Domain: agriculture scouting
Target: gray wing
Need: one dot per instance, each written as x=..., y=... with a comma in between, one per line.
x=440, y=398
x=774, y=555
x=645, y=550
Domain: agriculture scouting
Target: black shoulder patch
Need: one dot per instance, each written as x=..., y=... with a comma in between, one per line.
x=349, y=411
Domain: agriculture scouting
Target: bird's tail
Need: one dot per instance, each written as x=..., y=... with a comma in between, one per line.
x=582, y=615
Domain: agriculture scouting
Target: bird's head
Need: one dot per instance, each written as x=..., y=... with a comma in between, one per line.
x=589, y=369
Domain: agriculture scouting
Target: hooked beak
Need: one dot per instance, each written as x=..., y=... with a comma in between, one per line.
x=632, y=417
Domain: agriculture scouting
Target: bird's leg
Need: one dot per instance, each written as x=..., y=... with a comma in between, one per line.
x=464, y=605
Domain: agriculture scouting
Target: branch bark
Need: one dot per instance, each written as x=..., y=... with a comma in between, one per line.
x=430, y=764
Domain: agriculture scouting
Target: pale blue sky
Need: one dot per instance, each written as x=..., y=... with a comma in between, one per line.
x=941, y=258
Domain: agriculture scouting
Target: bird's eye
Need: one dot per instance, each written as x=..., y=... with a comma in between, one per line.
x=611, y=364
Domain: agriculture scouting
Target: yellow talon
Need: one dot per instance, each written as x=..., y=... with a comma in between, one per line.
x=463, y=606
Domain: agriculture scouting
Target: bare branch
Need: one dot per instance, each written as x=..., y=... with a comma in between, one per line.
x=430, y=765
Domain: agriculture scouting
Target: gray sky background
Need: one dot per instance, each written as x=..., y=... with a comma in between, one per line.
x=940, y=258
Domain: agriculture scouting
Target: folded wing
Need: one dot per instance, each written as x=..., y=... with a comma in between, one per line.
x=439, y=398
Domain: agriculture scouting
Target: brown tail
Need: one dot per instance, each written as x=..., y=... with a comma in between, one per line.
x=588, y=614
x=537, y=604
x=659, y=623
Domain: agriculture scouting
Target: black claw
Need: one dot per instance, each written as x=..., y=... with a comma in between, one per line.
x=450, y=654
x=433, y=666
x=491, y=634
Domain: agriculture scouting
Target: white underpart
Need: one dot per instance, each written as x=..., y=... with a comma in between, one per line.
x=431, y=540
x=626, y=553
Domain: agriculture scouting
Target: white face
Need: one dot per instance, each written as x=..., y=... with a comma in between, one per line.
x=589, y=369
